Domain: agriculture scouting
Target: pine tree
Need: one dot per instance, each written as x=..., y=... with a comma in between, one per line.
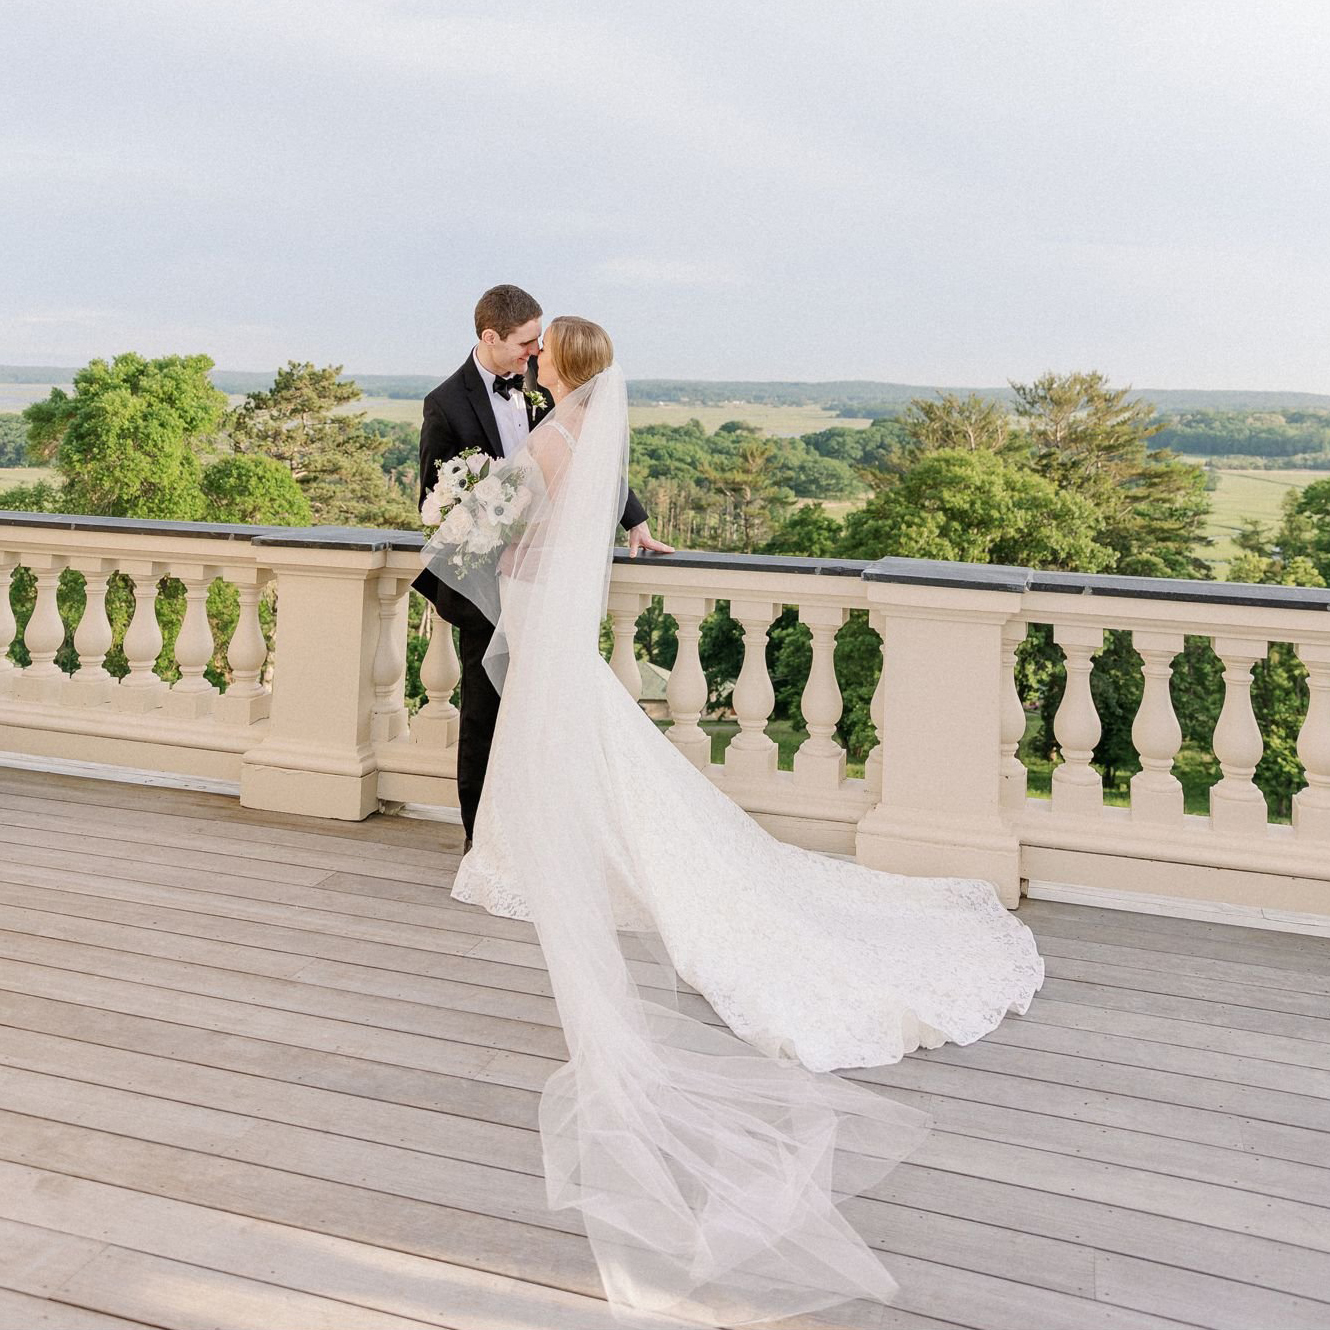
x=334, y=459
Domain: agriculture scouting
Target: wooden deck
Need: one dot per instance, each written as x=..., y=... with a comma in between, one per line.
x=261, y=1071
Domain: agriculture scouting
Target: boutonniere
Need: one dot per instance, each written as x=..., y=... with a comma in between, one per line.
x=536, y=398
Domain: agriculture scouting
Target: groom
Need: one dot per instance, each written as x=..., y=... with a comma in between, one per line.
x=492, y=402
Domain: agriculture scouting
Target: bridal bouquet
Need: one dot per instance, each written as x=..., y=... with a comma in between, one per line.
x=476, y=506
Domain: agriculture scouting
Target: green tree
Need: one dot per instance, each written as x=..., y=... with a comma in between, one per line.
x=255, y=490
x=1305, y=530
x=971, y=424
x=1091, y=440
x=977, y=507
x=334, y=459
x=13, y=440
x=810, y=531
x=40, y=497
x=125, y=442
x=746, y=489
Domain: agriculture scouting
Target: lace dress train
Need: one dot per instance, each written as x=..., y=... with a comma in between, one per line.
x=801, y=955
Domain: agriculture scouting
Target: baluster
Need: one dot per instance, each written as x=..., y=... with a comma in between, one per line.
x=1078, y=789
x=8, y=625
x=1156, y=793
x=624, y=608
x=1237, y=806
x=873, y=762
x=91, y=684
x=192, y=696
x=388, y=720
x=752, y=752
x=142, y=689
x=1311, y=805
x=820, y=761
x=247, y=699
x=43, y=680
x=436, y=722
x=1012, y=723
x=686, y=690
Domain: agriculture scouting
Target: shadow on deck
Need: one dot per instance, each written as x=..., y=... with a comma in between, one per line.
x=262, y=1071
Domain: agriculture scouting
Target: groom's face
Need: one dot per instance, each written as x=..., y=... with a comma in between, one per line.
x=512, y=352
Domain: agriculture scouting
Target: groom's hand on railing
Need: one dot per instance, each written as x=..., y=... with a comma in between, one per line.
x=640, y=538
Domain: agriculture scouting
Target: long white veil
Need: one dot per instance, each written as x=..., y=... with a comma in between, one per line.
x=708, y=1174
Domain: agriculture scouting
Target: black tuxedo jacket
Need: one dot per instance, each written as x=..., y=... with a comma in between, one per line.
x=458, y=415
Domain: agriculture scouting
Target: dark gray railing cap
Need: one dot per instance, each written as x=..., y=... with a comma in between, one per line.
x=918, y=572
x=941, y=572
x=1007, y=577
x=137, y=525
x=755, y=563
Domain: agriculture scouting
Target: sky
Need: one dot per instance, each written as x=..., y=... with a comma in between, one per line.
x=940, y=192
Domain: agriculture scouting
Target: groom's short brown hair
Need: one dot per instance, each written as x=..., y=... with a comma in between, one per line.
x=504, y=308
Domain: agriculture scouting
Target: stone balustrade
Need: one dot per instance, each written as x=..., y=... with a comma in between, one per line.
x=324, y=730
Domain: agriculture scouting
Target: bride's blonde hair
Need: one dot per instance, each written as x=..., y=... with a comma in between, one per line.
x=580, y=348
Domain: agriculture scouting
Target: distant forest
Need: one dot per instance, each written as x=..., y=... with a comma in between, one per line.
x=855, y=398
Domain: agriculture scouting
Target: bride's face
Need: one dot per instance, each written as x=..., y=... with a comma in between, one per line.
x=545, y=371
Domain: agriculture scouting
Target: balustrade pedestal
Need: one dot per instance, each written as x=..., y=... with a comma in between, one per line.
x=941, y=809
x=317, y=757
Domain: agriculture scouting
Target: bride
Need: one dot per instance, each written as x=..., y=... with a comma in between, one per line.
x=707, y=1162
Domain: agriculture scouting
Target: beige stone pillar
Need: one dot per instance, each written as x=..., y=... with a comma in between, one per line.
x=317, y=756
x=941, y=734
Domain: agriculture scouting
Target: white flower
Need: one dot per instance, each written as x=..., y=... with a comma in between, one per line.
x=431, y=511
x=487, y=491
x=501, y=511
x=519, y=502
x=476, y=463
x=482, y=539
x=453, y=467
x=457, y=525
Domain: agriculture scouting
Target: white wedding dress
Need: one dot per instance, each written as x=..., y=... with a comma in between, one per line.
x=800, y=954
x=708, y=1161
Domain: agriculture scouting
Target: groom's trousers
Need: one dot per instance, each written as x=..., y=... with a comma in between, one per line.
x=479, y=711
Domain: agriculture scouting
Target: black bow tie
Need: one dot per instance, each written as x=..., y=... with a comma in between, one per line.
x=506, y=386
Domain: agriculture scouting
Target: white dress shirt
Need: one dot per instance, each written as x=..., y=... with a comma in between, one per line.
x=510, y=416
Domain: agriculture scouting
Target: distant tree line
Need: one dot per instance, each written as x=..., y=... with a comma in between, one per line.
x=1070, y=473
x=1265, y=434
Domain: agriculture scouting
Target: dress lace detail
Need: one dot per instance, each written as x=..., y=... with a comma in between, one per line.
x=801, y=955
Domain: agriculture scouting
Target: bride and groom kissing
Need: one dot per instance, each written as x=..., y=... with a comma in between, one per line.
x=694, y=1133
x=492, y=402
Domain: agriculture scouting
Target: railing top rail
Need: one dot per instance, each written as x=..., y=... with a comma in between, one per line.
x=146, y=526
x=1005, y=577
x=310, y=537
x=918, y=572
x=756, y=563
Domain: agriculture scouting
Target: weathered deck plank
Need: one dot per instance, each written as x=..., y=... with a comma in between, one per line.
x=266, y=1065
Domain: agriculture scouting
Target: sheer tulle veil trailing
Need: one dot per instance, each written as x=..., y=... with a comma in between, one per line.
x=709, y=1175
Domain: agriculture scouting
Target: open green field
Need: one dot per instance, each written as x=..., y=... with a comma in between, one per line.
x=781, y=420
x=778, y=420
x=1242, y=494
x=25, y=475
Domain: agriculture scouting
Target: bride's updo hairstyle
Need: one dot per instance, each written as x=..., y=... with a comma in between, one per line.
x=580, y=348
